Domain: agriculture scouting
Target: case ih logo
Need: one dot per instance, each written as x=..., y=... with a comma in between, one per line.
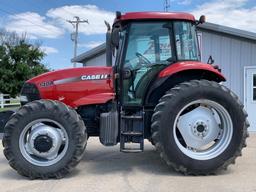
x=75, y=79
x=94, y=77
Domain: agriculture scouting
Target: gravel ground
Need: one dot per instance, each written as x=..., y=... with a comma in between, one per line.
x=106, y=169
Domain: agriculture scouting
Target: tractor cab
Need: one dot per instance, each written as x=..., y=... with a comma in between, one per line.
x=146, y=46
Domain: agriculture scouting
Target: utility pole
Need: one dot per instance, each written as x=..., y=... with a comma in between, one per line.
x=74, y=36
x=167, y=5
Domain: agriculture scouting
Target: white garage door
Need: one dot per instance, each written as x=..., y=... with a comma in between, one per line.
x=250, y=95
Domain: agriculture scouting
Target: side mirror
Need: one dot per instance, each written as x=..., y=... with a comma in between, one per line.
x=115, y=37
x=202, y=19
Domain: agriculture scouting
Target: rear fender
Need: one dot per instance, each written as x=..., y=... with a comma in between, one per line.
x=184, y=66
x=178, y=73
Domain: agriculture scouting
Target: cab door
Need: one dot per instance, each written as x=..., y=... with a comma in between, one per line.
x=148, y=52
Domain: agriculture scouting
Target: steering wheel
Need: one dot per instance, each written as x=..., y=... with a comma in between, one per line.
x=143, y=58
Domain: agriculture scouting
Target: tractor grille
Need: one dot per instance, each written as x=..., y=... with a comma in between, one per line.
x=30, y=92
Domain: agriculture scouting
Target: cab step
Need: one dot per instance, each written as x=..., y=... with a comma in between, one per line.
x=133, y=117
x=131, y=150
x=132, y=132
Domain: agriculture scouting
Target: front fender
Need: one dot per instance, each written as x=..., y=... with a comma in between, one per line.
x=190, y=65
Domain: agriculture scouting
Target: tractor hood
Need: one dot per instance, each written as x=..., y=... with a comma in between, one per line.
x=74, y=87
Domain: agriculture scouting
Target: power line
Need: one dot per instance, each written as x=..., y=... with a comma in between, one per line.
x=36, y=5
x=167, y=5
x=74, y=35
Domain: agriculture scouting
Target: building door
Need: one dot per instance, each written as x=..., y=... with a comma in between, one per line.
x=250, y=96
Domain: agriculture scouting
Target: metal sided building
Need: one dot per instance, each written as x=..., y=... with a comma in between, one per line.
x=232, y=49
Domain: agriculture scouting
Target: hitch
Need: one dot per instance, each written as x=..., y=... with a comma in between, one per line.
x=4, y=117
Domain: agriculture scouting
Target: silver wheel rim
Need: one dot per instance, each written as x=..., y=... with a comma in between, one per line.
x=37, y=128
x=205, y=131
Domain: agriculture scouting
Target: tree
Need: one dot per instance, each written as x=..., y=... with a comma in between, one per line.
x=19, y=61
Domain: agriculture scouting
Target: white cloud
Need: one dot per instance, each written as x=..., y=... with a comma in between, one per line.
x=185, y=2
x=181, y=2
x=54, y=24
x=34, y=25
x=95, y=16
x=231, y=13
x=91, y=44
x=49, y=50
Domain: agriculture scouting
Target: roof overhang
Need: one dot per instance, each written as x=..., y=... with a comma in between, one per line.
x=90, y=54
x=228, y=30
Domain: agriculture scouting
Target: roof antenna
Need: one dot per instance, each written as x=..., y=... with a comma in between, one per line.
x=167, y=5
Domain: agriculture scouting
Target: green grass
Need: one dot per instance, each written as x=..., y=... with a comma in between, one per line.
x=15, y=101
x=9, y=108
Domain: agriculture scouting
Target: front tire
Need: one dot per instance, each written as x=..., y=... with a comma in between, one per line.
x=199, y=127
x=44, y=139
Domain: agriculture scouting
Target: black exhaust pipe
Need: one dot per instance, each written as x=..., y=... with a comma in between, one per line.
x=108, y=45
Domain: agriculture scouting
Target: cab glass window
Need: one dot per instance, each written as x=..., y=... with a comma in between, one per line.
x=148, y=41
x=186, y=41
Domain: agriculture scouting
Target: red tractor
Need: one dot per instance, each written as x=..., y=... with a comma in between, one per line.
x=157, y=90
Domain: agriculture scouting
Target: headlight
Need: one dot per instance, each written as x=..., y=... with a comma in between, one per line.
x=23, y=98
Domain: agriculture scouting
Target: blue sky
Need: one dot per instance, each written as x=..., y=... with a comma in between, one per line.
x=44, y=21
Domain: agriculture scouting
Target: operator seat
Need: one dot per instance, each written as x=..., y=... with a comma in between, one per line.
x=146, y=79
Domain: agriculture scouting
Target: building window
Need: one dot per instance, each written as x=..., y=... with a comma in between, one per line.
x=254, y=87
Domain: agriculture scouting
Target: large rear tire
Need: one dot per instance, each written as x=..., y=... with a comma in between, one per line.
x=199, y=127
x=44, y=139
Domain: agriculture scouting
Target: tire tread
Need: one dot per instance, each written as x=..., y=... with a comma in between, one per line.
x=79, y=131
x=155, y=126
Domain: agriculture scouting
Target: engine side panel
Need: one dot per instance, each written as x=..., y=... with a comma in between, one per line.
x=77, y=86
